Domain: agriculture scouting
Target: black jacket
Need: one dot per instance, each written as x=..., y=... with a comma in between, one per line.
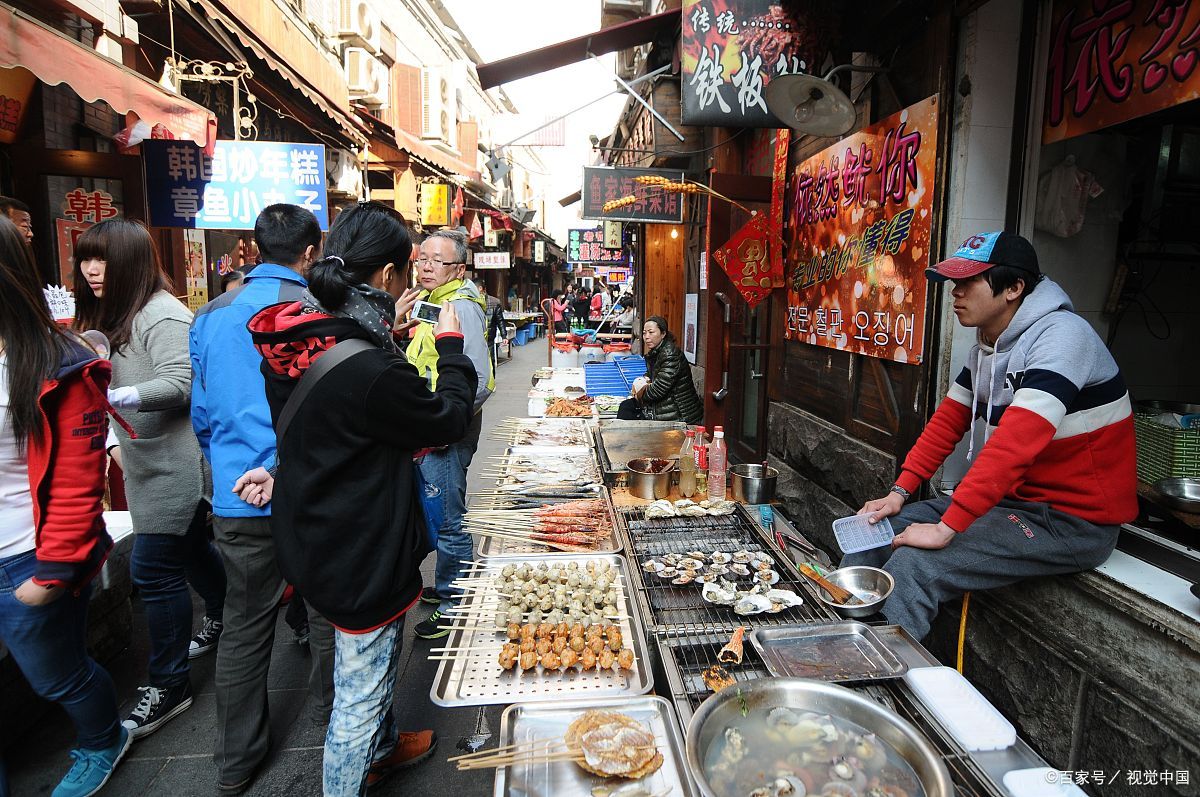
x=347, y=524
x=671, y=395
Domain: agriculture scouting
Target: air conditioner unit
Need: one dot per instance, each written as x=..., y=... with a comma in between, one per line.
x=325, y=14
x=367, y=78
x=359, y=25
x=439, y=108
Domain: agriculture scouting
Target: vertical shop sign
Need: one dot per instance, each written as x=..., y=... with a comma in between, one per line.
x=1117, y=60
x=858, y=238
x=612, y=235
x=778, y=188
x=691, y=312
x=186, y=188
x=587, y=246
x=195, y=262
x=603, y=184
x=435, y=204
x=16, y=87
x=539, y=251
x=733, y=48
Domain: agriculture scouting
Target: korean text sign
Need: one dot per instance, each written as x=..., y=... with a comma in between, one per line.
x=186, y=188
x=858, y=231
x=1114, y=61
x=733, y=48
x=601, y=184
x=587, y=246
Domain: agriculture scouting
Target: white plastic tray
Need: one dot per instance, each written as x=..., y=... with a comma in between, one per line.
x=855, y=534
x=961, y=709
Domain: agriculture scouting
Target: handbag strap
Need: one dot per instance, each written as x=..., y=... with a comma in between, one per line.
x=324, y=364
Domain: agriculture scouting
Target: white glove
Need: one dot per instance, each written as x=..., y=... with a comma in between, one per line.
x=124, y=398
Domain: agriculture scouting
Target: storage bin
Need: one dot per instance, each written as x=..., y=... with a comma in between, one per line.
x=1163, y=452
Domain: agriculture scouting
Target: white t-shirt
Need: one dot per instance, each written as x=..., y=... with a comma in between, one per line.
x=16, y=503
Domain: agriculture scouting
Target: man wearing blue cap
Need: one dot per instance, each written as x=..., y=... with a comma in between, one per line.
x=1053, y=470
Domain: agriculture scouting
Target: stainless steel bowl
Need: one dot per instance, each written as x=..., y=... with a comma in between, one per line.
x=1182, y=495
x=647, y=484
x=725, y=708
x=859, y=579
x=753, y=484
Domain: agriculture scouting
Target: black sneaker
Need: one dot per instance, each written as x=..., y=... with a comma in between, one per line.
x=156, y=707
x=429, y=595
x=301, y=633
x=428, y=628
x=206, y=638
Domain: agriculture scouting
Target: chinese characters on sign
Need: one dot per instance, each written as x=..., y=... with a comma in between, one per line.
x=746, y=258
x=435, y=204
x=484, y=260
x=587, y=246
x=186, y=188
x=733, y=48
x=778, y=188
x=1116, y=60
x=16, y=86
x=601, y=184
x=858, y=233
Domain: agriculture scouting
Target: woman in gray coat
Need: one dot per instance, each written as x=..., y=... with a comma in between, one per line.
x=120, y=289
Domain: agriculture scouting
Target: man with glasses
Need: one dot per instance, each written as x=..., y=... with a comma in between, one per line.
x=441, y=267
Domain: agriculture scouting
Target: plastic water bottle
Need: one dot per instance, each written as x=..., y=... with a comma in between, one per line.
x=716, y=466
x=687, y=466
x=701, y=446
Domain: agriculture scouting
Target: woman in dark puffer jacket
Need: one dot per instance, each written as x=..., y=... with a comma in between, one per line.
x=669, y=394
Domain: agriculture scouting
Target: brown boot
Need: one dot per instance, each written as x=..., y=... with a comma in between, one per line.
x=411, y=749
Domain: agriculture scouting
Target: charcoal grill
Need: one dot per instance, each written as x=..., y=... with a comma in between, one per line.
x=667, y=606
x=684, y=653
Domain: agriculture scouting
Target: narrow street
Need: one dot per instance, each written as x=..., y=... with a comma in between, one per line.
x=177, y=760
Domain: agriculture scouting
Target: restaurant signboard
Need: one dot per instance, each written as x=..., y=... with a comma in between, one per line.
x=858, y=233
x=586, y=245
x=602, y=184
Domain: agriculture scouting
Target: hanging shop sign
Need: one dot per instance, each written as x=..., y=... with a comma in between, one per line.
x=484, y=260
x=859, y=216
x=186, y=188
x=587, y=246
x=612, y=235
x=746, y=258
x=16, y=87
x=778, y=188
x=603, y=184
x=733, y=48
x=1114, y=61
x=195, y=262
x=539, y=251
x=435, y=204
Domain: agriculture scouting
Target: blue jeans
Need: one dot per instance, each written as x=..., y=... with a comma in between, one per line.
x=361, y=729
x=161, y=566
x=49, y=645
x=447, y=469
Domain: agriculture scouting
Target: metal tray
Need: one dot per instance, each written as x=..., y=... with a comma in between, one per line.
x=579, y=428
x=524, y=723
x=621, y=441
x=837, y=652
x=503, y=546
x=585, y=454
x=476, y=679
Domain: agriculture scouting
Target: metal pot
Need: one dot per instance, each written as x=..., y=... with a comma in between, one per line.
x=753, y=484
x=859, y=579
x=760, y=696
x=647, y=484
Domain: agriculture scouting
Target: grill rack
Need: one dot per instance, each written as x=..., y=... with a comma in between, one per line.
x=684, y=653
x=668, y=607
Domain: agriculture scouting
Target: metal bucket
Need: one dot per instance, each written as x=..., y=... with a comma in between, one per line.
x=751, y=485
x=644, y=484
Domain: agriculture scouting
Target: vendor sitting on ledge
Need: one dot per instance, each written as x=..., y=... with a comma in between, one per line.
x=667, y=392
x=1054, y=475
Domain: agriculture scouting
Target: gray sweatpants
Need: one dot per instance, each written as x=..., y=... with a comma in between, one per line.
x=1015, y=540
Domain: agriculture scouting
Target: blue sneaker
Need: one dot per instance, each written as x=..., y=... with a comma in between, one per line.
x=92, y=768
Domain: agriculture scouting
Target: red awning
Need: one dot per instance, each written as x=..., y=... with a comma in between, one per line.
x=430, y=154
x=608, y=40
x=55, y=58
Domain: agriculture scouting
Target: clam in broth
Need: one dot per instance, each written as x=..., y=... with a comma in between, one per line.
x=785, y=752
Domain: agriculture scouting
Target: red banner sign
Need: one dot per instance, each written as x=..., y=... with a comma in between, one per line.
x=859, y=237
x=1115, y=60
x=746, y=258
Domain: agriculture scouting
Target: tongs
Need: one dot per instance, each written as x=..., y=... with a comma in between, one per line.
x=810, y=551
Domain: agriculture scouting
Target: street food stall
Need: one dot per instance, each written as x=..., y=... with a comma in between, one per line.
x=677, y=647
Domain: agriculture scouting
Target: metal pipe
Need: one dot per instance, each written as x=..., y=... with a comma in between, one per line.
x=642, y=101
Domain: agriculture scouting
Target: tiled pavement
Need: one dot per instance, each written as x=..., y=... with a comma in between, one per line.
x=177, y=760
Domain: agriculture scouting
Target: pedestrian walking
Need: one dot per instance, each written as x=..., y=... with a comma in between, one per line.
x=52, y=536
x=347, y=515
x=440, y=270
x=232, y=421
x=121, y=291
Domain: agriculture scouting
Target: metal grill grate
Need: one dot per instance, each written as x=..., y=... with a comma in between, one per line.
x=685, y=655
x=670, y=607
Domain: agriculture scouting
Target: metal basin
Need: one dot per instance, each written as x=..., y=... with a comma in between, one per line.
x=645, y=481
x=859, y=579
x=753, y=484
x=725, y=708
x=1182, y=495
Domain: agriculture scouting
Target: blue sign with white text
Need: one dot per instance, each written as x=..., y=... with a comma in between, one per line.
x=186, y=188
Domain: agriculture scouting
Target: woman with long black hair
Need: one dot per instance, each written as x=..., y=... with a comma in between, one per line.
x=667, y=392
x=52, y=537
x=347, y=517
x=121, y=291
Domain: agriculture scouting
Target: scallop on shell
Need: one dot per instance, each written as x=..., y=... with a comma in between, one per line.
x=714, y=593
x=751, y=604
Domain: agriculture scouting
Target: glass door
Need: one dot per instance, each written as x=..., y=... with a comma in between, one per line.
x=749, y=360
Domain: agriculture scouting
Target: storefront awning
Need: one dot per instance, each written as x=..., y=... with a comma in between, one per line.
x=607, y=40
x=55, y=58
x=429, y=154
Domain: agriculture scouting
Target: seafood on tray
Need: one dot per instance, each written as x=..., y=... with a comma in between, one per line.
x=548, y=465
x=545, y=432
x=552, y=593
x=563, y=647
x=569, y=408
x=688, y=508
x=581, y=525
x=743, y=580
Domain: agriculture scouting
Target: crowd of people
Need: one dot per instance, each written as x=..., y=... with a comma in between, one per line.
x=331, y=490
x=580, y=307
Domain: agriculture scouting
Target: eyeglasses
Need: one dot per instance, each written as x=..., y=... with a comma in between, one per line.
x=422, y=261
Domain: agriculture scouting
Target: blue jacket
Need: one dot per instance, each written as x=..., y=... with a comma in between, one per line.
x=229, y=403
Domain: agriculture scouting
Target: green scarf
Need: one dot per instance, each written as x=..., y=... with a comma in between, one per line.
x=422, y=351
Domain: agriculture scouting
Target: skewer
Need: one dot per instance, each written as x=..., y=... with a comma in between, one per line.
x=502, y=748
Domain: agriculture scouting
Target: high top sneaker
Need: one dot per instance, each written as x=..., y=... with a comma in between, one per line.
x=206, y=638
x=156, y=707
